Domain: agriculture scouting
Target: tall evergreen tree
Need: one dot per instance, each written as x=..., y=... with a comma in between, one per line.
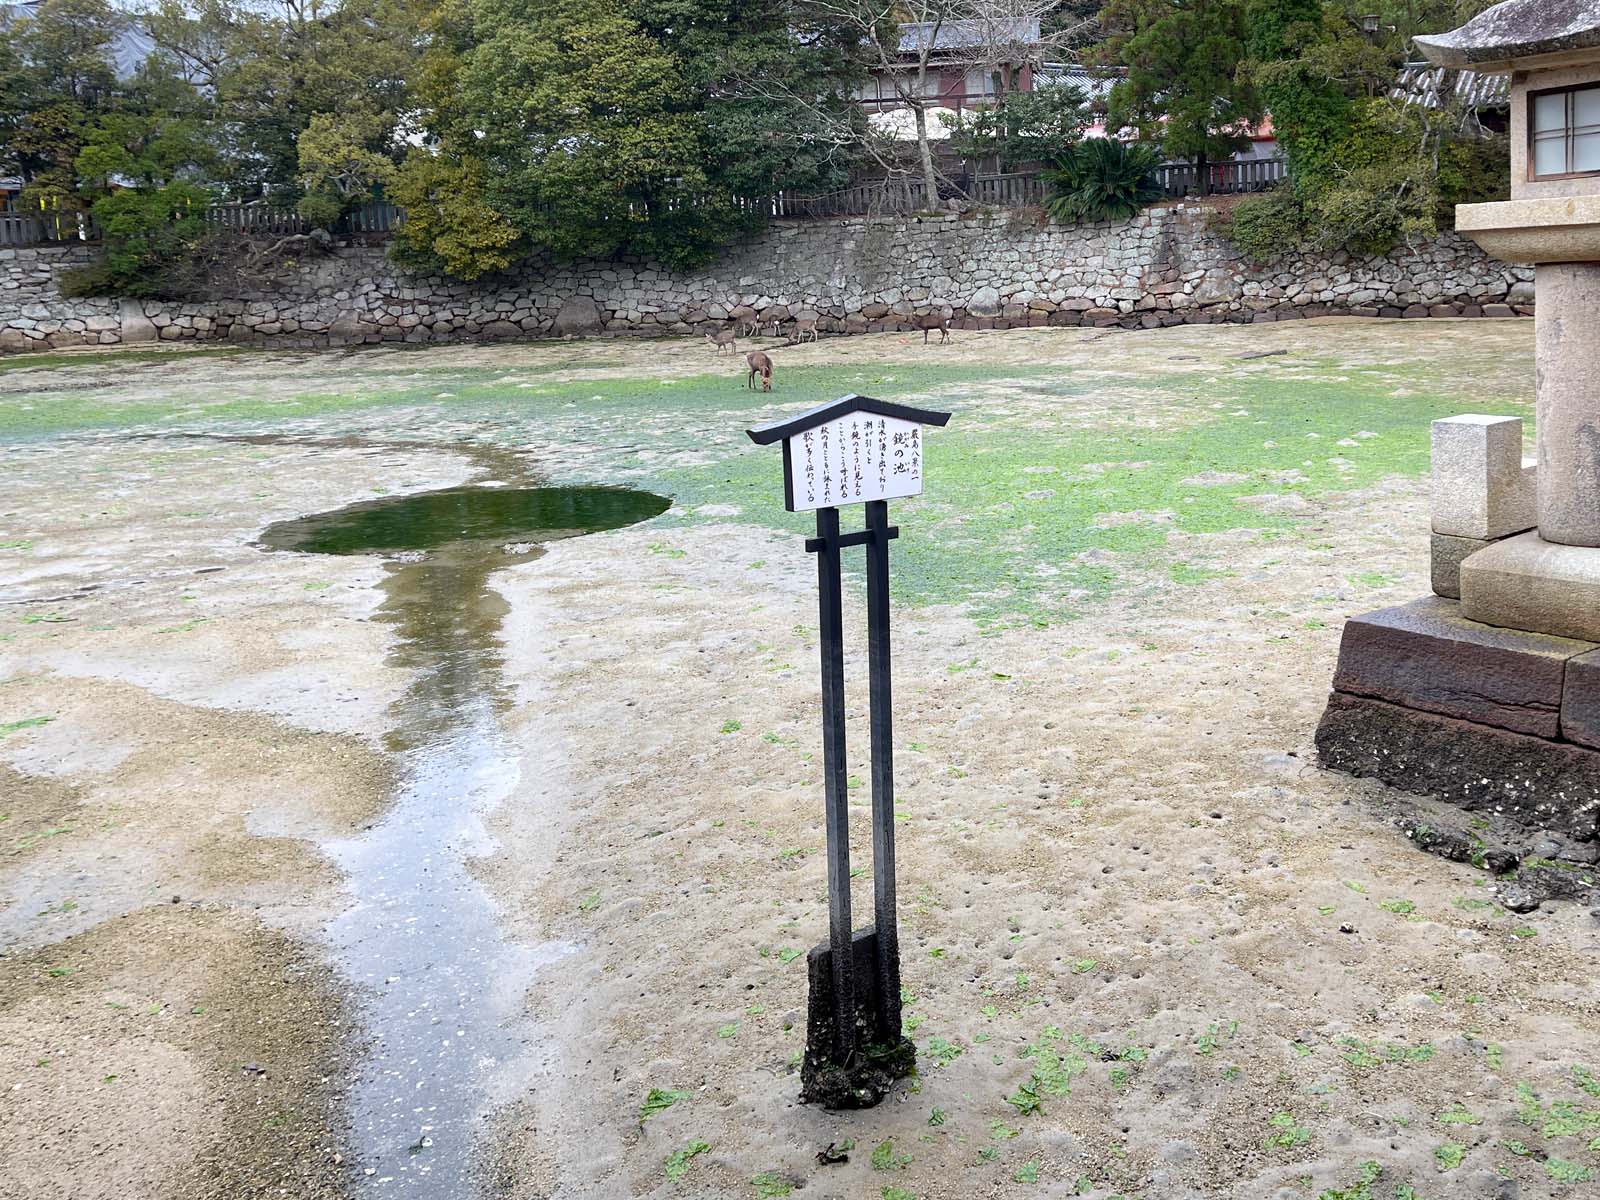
x=590, y=127
x=1309, y=107
x=1185, y=87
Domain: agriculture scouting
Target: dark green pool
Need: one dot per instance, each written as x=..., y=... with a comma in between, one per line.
x=430, y=520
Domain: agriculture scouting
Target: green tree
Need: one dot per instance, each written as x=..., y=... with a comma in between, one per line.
x=1024, y=127
x=590, y=130
x=1368, y=167
x=1299, y=84
x=1186, y=88
x=270, y=66
x=152, y=239
x=595, y=128
x=450, y=225
x=57, y=77
x=338, y=169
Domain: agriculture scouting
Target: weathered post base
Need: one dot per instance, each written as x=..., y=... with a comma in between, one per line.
x=1499, y=722
x=878, y=1063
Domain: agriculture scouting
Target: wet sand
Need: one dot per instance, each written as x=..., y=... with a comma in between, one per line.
x=1118, y=861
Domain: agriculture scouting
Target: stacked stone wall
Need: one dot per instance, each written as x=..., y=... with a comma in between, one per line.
x=1164, y=267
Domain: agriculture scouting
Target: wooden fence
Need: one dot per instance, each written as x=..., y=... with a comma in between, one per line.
x=17, y=229
x=1224, y=178
x=883, y=197
x=255, y=220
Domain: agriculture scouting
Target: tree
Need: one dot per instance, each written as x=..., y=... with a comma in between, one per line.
x=1308, y=101
x=647, y=127
x=58, y=77
x=450, y=225
x=269, y=67
x=1369, y=166
x=1186, y=87
x=906, y=44
x=777, y=86
x=1024, y=127
x=338, y=170
x=589, y=130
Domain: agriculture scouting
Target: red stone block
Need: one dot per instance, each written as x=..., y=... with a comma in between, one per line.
x=1425, y=655
x=1580, y=700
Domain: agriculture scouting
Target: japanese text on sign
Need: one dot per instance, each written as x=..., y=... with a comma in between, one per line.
x=855, y=458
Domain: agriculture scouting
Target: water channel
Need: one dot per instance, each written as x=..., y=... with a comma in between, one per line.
x=438, y=987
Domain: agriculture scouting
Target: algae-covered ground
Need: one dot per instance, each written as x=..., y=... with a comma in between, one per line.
x=1150, y=949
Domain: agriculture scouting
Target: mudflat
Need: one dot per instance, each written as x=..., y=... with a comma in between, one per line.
x=1149, y=947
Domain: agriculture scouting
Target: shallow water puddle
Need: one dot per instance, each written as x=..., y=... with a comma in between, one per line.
x=440, y=987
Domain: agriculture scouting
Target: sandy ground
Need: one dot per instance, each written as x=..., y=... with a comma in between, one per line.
x=170, y=1029
x=1114, y=831
x=1121, y=873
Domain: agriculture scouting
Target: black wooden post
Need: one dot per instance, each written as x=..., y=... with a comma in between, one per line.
x=882, y=725
x=837, y=816
x=854, y=450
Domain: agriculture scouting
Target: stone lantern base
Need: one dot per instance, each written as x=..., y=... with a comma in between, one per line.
x=1486, y=694
x=1492, y=720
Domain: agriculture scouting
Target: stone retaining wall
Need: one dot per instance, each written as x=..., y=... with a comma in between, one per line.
x=1163, y=267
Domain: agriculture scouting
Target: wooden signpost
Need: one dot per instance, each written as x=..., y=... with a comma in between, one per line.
x=855, y=450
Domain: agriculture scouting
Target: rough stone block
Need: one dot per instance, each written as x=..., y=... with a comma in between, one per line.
x=1425, y=656
x=1525, y=582
x=136, y=327
x=577, y=316
x=1481, y=486
x=1548, y=785
x=1580, y=700
x=1446, y=555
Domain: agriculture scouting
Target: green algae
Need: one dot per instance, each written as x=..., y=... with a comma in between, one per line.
x=1055, y=485
x=1032, y=525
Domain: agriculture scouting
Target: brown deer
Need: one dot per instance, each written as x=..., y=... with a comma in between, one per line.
x=721, y=338
x=932, y=321
x=802, y=327
x=745, y=320
x=760, y=365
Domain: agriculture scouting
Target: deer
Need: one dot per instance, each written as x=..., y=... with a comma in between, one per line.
x=760, y=365
x=721, y=338
x=746, y=321
x=932, y=321
x=802, y=327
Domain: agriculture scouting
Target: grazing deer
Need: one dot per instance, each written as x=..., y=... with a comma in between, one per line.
x=760, y=365
x=932, y=321
x=802, y=327
x=721, y=338
x=746, y=322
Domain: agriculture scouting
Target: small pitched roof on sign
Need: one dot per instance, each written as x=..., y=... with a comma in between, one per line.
x=1518, y=33
x=787, y=427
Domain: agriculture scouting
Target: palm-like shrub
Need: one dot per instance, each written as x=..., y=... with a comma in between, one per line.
x=1102, y=179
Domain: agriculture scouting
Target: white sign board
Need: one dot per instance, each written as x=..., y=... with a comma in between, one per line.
x=857, y=457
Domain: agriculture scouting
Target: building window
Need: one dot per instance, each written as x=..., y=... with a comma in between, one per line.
x=1565, y=130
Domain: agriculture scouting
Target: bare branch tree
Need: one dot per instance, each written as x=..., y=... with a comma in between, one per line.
x=907, y=45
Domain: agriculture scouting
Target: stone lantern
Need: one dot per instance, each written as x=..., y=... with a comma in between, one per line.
x=1488, y=692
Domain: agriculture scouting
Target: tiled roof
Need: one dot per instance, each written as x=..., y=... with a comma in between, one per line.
x=957, y=35
x=1433, y=87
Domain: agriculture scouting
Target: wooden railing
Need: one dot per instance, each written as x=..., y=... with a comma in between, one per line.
x=881, y=197
x=260, y=220
x=20, y=229
x=1223, y=178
